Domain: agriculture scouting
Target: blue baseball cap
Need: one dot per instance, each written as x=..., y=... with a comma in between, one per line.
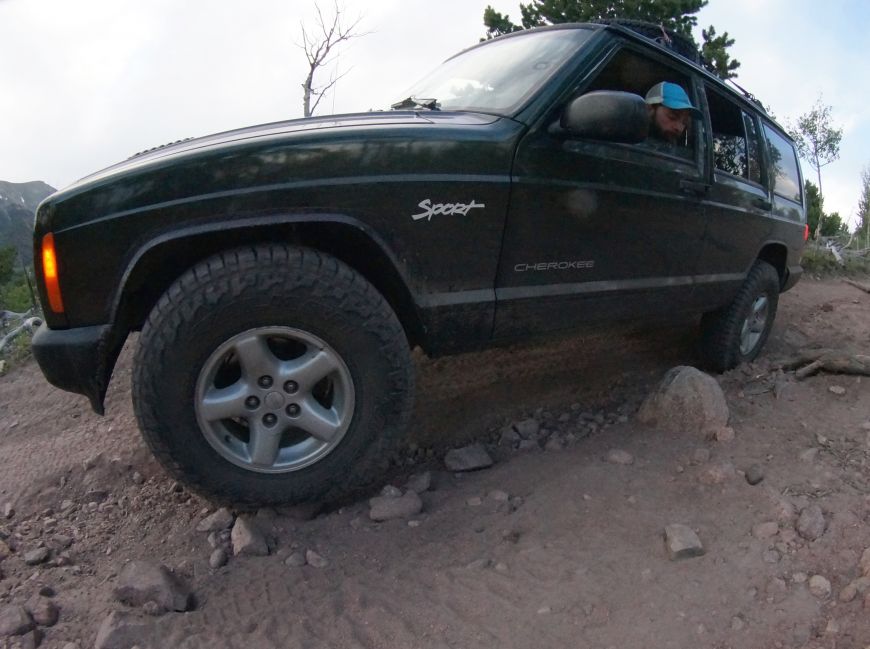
x=672, y=96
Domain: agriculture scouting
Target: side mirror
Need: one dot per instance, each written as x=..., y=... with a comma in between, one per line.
x=607, y=115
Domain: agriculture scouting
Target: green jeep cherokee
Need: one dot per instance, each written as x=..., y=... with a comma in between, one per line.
x=280, y=274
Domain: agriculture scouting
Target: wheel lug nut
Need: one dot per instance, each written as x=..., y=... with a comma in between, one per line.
x=293, y=410
x=290, y=387
x=265, y=381
x=252, y=402
x=269, y=419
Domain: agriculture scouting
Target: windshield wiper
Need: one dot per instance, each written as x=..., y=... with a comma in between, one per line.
x=415, y=102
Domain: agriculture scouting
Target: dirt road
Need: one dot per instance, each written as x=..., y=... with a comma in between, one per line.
x=573, y=558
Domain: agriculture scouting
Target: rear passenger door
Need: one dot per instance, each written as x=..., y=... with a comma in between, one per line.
x=739, y=203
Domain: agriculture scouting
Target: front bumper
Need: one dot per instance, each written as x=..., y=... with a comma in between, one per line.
x=78, y=360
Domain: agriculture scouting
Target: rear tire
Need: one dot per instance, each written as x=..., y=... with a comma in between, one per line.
x=737, y=333
x=272, y=374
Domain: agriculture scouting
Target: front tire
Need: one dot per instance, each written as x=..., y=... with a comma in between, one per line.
x=737, y=333
x=272, y=374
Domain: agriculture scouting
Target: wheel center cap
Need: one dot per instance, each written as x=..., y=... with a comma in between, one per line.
x=274, y=400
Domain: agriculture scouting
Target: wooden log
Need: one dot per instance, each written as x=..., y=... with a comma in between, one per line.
x=858, y=285
x=811, y=361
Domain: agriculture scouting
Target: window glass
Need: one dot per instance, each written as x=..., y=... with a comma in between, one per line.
x=783, y=164
x=729, y=136
x=753, y=149
x=497, y=77
x=629, y=71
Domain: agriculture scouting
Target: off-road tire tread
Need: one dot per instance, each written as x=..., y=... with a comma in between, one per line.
x=221, y=276
x=720, y=330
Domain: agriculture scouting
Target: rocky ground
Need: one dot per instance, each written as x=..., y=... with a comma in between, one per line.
x=531, y=507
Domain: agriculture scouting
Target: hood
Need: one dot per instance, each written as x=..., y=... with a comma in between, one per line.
x=290, y=129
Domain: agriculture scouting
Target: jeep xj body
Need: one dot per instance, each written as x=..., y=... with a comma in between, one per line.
x=279, y=273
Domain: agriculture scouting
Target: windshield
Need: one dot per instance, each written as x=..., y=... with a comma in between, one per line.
x=499, y=76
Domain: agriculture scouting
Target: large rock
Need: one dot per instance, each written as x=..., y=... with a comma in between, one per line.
x=14, y=620
x=141, y=582
x=384, y=508
x=122, y=630
x=686, y=399
x=468, y=458
x=247, y=539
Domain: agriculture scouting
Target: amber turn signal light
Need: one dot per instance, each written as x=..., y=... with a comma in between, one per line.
x=49, y=273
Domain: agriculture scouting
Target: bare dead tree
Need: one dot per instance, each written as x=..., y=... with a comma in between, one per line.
x=320, y=45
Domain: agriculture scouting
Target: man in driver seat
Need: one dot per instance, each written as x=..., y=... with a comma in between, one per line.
x=670, y=113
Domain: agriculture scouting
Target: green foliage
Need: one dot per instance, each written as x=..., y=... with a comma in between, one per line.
x=819, y=261
x=714, y=50
x=14, y=291
x=832, y=224
x=863, y=231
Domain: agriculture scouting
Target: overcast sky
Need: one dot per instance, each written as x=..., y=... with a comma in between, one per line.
x=85, y=83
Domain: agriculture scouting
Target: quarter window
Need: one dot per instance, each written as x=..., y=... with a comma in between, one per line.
x=783, y=166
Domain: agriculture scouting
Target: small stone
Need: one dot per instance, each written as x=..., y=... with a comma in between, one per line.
x=143, y=581
x=717, y=473
x=14, y=620
x=315, y=560
x=864, y=563
x=765, y=530
x=618, y=456
x=737, y=623
x=121, y=630
x=247, y=539
x=222, y=519
x=509, y=437
x=474, y=501
x=47, y=591
x=414, y=523
x=723, y=434
x=833, y=627
x=682, y=542
x=468, y=458
x=66, y=505
x=384, y=508
x=295, y=560
x=754, y=474
x=862, y=584
x=5, y=552
x=545, y=610
x=37, y=556
x=498, y=495
x=848, y=593
x=800, y=577
x=420, y=482
x=811, y=524
x=138, y=478
x=809, y=455
x=554, y=445
x=701, y=455
x=771, y=556
x=837, y=389
x=820, y=587
x=43, y=611
x=218, y=558
x=8, y=510
x=389, y=491
x=152, y=608
x=527, y=428
x=528, y=445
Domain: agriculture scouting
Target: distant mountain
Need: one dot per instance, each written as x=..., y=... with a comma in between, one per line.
x=18, y=202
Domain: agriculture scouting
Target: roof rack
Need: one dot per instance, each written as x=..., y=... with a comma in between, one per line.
x=667, y=38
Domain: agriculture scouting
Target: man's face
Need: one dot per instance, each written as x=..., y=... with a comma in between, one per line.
x=671, y=124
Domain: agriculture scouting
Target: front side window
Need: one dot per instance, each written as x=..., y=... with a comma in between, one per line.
x=729, y=136
x=784, y=166
x=498, y=77
x=630, y=71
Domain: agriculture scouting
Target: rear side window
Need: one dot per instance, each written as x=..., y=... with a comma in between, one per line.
x=783, y=166
x=735, y=140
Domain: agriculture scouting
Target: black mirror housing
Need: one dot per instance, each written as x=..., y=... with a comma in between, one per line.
x=607, y=115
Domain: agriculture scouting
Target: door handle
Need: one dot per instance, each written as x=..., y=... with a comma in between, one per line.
x=694, y=187
x=762, y=203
